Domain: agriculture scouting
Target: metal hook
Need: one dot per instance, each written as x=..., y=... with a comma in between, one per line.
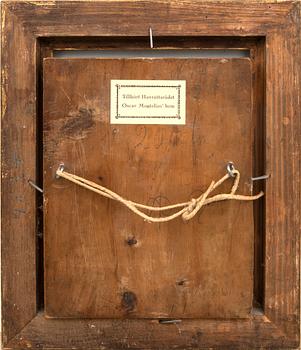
x=151, y=43
x=35, y=186
x=262, y=177
x=167, y=321
x=59, y=169
x=230, y=169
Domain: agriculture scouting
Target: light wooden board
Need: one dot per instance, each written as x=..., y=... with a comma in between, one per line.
x=201, y=268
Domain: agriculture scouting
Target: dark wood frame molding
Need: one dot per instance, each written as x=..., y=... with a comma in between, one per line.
x=24, y=24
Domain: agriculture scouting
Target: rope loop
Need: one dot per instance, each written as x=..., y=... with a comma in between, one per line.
x=186, y=210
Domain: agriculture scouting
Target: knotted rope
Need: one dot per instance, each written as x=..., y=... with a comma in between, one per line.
x=188, y=209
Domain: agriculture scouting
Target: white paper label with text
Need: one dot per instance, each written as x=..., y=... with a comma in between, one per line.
x=148, y=102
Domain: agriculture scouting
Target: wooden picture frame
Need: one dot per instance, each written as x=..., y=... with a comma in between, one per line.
x=26, y=27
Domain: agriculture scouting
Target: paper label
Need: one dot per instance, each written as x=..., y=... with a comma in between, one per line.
x=148, y=102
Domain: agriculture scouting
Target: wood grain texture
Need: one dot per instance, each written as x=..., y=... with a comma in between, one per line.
x=165, y=17
x=282, y=280
x=278, y=24
x=200, y=268
x=18, y=165
x=256, y=332
x=256, y=48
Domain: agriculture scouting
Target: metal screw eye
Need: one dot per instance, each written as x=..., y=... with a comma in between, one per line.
x=231, y=169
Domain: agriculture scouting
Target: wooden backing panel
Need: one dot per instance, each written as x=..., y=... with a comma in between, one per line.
x=18, y=165
x=256, y=48
x=201, y=268
x=250, y=334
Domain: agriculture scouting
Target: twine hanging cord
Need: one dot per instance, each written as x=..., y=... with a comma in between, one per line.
x=188, y=209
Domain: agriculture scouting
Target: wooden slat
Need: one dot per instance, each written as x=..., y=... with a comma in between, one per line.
x=176, y=17
x=283, y=189
x=18, y=165
x=253, y=333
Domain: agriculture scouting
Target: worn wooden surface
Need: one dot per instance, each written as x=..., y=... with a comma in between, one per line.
x=150, y=334
x=200, y=268
x=18, y=221
x=256, y=48
x=282, y=299
x=278, y=24
x=175, y=18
